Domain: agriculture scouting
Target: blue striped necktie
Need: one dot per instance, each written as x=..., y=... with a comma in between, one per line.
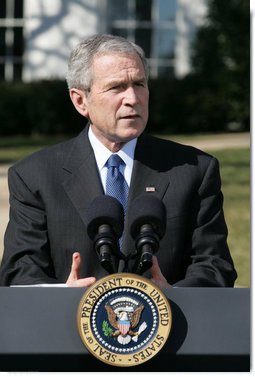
x=116, y=185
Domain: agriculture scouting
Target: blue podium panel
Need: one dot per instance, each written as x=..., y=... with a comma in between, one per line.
x=210, y=331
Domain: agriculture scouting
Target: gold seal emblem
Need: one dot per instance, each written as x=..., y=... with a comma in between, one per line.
x=124, y=319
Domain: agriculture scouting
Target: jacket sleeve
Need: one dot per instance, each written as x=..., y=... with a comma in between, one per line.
x=26, y=258
x=210, y=262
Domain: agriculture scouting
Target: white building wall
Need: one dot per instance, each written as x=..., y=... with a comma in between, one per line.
x=52, y=29
x=190, y=15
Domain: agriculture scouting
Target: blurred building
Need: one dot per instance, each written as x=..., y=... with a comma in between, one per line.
x=36, y=36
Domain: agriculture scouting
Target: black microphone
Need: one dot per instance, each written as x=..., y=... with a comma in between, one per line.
x=148, y=226
x=105, y=226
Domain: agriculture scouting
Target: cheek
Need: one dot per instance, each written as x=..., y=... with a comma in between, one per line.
x=145, y=106
x=98, y=110
x=104, y=117
x=144, y=99
x=109, y=105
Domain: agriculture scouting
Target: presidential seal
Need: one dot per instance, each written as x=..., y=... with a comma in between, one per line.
x=124, y=319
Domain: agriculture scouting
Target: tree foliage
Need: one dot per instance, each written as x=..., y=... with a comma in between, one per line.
x=221, y=56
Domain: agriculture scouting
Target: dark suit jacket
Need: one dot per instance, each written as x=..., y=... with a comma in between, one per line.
x=51, y=190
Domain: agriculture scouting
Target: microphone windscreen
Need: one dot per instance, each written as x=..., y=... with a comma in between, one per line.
x=147, y=209
x=105, y=209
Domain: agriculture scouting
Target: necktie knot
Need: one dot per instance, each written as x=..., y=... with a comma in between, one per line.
x=115, y=161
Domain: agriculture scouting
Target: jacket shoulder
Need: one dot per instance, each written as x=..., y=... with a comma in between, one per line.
x=159, y=149
x=48, y=157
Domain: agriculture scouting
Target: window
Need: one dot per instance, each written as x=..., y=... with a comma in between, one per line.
x=166, y=10
x=11, y=39
x=143, y=10
x=118, y=10
x=150, y=24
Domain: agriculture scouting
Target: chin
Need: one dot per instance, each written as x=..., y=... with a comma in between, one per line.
x=130, y=135
x=133, y=132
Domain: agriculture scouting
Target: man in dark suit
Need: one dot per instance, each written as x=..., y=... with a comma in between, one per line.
x=46, y=239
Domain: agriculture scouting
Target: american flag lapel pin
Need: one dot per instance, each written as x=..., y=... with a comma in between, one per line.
x=150, y=189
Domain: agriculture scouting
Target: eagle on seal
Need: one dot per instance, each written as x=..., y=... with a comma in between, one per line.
x=123, y=321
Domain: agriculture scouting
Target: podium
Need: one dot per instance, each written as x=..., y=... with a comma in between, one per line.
x=210, y=331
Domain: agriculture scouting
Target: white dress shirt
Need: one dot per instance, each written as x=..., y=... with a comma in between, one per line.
x=102, y=154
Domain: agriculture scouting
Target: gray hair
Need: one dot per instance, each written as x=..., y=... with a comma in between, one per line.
x=79, y=73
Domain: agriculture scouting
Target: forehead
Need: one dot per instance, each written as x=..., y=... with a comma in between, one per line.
x=114, y=65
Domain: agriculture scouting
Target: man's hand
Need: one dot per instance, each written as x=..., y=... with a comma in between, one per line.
x=74, y=277
x=156, y=275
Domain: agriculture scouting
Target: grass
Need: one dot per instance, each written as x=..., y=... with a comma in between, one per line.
x=16, y=148
x=235, y=173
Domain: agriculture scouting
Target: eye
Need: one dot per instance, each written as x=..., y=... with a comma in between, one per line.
x=116, y=87
x=140, y=83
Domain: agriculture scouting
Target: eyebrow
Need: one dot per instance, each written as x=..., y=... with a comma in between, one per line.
x=115, y=82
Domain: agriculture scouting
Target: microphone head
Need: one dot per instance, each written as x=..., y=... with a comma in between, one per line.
x=147, y=209
x=105, y=209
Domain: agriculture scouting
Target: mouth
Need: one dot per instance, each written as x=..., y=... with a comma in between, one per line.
x=134, y=116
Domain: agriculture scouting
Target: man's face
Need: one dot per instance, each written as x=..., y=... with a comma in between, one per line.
x=117, y=104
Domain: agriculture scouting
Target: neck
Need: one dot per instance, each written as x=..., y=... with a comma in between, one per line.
x=112, y=145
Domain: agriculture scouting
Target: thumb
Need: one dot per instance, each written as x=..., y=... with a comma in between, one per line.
x=156, y=275
x=155, y=269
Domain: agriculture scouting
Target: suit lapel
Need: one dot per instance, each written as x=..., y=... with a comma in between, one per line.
x=83, y=182
x=146, y=178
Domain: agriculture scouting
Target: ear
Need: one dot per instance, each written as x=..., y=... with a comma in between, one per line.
x=79, y=100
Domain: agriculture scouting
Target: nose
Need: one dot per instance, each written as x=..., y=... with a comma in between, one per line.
x=130, y=97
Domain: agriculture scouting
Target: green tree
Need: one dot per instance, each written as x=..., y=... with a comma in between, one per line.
x=221, y=57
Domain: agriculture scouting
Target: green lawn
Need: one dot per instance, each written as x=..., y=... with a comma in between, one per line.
x=235, y=172
x=16, y=148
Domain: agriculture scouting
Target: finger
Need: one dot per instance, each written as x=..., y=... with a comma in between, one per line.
x=75, y=268
x=74, y=277
x=86, y=282
x=155, y=269
x=156, y=275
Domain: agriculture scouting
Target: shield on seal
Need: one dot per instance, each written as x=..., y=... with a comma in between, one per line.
x=123, y=326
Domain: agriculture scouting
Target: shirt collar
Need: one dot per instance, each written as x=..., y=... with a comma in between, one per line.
x=102, y=153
